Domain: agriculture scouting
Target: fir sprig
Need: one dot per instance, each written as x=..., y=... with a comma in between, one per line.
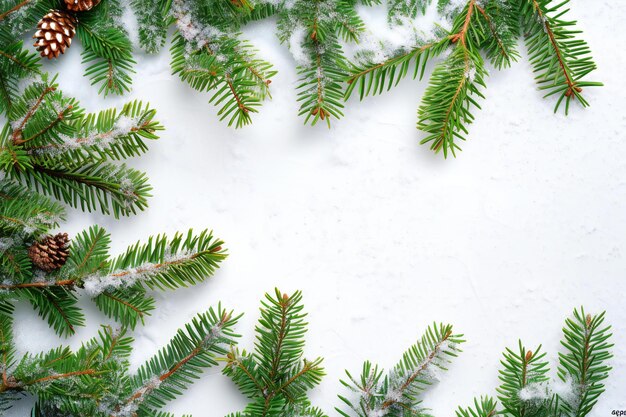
x=274, y=376
x=398, y=392
x=313, y=31
x=489, y=27
x=117, y=285
x=561, y=60
x=528, y=390
x=96, y=380
x=107, y=48
x=51, y=146
x=209, y=54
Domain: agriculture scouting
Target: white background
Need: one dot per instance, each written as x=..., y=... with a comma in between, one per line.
x=383, y=236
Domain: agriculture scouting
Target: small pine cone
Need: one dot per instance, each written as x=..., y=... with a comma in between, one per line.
x=50, y=253
x=81, y=5
x=54, y=33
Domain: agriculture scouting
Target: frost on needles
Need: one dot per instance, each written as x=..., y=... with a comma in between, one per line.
x=210, y=53
x=51, y=149
x=107, y=50
x=276, y=379
x=96, y=381
x=467, y=31
x=527, y=389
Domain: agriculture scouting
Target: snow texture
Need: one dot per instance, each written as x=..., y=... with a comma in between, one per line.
x=382, y=236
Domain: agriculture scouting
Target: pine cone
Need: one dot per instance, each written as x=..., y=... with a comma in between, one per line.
x=54, y=33
x=50, y=253
x=81, y=5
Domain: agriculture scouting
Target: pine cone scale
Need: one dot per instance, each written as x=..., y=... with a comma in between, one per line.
x=54, y=33
x=50, y=253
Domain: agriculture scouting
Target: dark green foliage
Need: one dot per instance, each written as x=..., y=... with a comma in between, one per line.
x=52, y=147
x=313, y=30
x=489, y=27
x=95, y=380
x=107, y=48
x=584, y=361
x=152, y=18
x=16, y=63
x=275, y=377
x=528, y=390
x=398, y=393
x=117, y=285
x=209, y=54
x=483, y=407
x=561, y=60
x=18, y=16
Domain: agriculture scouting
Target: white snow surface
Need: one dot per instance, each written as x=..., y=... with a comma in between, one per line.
x=383, y=236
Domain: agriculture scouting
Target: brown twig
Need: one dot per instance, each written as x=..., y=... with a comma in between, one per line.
x=17, y=133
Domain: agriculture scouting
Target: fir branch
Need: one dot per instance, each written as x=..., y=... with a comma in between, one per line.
x=152, y=17
x=584, y=362
x=372, y=77
x=95, y=380
x=107, y=48
x=207, y=52
x=520, y=370
x=58, y=306
x=560, y=60
x=399, y=392
x=24, y=214
x=161, y=378
x=445, y=107
x=274, y=376
x=15, y=8
x=51, y=146
x=312, y=32
x=15, y=63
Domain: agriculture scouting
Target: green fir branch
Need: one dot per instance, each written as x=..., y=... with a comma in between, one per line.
x=96, y=381
x=561, y=61
x=399, y=392
x=275, y=377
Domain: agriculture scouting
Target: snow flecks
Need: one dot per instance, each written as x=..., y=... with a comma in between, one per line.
x=18, y=21
x=122, y=127
x=43, y=220
x=197, y=35
x=453, y=7
x=130, y=408
x=401, y=379
x=128, y=189
x=470, y=73
x=539, y=392
x=536, y=392
x=296, y=45
x=6, y=243
x=400, y=34
x=96, y=284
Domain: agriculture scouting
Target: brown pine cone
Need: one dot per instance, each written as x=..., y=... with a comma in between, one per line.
x=81, y=5
x=54, y=33
x=50, y=253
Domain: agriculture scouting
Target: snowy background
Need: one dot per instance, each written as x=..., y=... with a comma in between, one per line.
x=382, y=236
